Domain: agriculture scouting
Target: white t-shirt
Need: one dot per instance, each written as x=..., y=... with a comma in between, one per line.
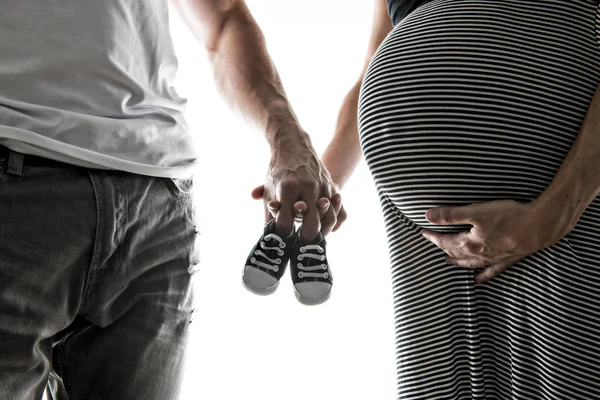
x=89, y=82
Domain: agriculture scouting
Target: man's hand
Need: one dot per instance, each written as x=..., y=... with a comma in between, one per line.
x=299, y=187
x=503, y=232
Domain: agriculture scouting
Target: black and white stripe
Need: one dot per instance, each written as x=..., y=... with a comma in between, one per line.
x=469, y=101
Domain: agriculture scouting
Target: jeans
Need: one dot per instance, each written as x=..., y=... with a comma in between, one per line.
x=96, y=273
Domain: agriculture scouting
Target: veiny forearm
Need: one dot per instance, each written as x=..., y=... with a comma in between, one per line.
x=577, y=182
x=249, y=81
x=344, y=153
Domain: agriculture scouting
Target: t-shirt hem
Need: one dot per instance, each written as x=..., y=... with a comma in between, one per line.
x=64, y=152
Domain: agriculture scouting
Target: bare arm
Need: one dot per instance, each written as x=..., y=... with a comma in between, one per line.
x=242, y=67
x=344, y=153
x=248, y=80
x=577, y=182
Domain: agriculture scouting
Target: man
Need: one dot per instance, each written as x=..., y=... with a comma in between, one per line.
x=97, y=228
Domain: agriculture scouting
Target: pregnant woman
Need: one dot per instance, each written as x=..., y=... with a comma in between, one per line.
x=487, y=112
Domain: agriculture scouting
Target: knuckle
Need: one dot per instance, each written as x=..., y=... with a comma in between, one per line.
x=509, y=242
x=445, y=216
x=309, y=184
x=288, y=184
x=471, y=247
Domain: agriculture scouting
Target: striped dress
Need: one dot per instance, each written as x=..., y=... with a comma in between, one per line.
x=469, y=101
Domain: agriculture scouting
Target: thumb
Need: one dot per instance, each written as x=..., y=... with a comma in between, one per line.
x=273, y=209
x=258, y=192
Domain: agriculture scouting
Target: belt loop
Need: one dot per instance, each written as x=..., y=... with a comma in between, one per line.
x=15, y=163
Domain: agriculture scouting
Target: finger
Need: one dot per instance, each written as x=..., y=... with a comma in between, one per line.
x=336, y=202
x=328, y=219
x=490, y=273
x=311, y=222
x=288, y=195
x=323, y=206
x=451, y=215
x=273, y=207
x=471, y=263
x=258, y=192
x=454, y=244
x=299, y=208
x=342, y=216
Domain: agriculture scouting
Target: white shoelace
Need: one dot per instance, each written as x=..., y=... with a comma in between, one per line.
x=303, y=269
x=276, y=261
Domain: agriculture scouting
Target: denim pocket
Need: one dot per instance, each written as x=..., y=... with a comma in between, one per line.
x=181, y=189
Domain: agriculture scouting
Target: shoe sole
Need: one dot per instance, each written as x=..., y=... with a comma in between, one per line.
x=261, y=291
x=311, y=302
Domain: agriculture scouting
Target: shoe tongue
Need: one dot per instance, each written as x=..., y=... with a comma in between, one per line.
x=271, y=227
x=316, y=240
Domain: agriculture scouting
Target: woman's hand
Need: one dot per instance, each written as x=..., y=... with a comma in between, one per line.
x=503, y=232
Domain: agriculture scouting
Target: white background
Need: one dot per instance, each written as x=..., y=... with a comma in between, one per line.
x=248, y=347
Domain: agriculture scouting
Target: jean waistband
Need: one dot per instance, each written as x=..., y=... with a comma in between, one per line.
x=12, y=162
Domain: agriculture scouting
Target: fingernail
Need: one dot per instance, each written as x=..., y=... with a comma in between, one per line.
x=323, y=204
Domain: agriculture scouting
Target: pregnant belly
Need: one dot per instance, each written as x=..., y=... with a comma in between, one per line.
x=468, y=101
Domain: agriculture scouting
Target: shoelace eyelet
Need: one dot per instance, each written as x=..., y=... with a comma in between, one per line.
x=270, y=235
x=280, y=252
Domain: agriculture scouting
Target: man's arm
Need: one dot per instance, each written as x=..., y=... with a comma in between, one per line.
x=344, y=153
x=242, y=67
x=249, y=82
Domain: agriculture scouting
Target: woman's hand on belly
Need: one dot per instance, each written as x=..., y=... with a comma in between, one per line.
x=503, y=232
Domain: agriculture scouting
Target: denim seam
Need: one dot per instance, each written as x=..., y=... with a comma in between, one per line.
x=174, y=189
x=92, y=271
x=123, y=221
x=65, y=374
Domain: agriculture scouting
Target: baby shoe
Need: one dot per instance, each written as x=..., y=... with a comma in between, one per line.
x=267, y=261
x=310, y=270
